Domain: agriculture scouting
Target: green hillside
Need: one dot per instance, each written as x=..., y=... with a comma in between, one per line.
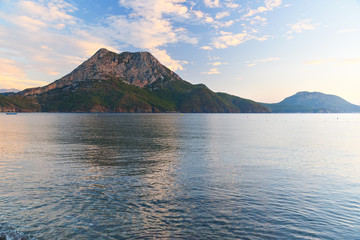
x=115, y=95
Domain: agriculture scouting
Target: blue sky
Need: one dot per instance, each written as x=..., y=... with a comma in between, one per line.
x=264, y=50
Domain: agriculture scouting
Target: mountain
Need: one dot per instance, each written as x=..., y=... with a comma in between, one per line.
x=126, y=82
x=7, y=91
x=313, y=102
x=139, y=69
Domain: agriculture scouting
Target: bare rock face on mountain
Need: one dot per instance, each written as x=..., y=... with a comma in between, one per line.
x=139, y=69
x=125, y=82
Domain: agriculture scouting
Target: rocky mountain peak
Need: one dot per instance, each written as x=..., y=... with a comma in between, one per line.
x=139, y=69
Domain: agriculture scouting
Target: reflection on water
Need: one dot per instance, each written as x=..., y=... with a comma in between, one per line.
x=112, y=176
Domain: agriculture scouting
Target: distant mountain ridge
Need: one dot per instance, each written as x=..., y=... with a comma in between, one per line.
x=313, y=102
x=125, y=82
x=13, y=90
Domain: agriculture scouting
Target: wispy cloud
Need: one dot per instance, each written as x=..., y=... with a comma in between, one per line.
x=228, y=39
x=300, y=26
x=48, y=40
x=348, y=30
x=44, y=37
x=212, y=3
x=12, y=76
x=49, y=37
x=252, y=63
x=231, y=4
x=217, y=63
x=336, y=61
x=221, y=15
x=269, y=6
x=212, y=71
x=206, y=48
x=257, y=20
x=150, y=26
x=156, y=8
x=165, y=59
x=250, y=25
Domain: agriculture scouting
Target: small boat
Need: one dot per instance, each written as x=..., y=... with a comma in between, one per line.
x=11, y=113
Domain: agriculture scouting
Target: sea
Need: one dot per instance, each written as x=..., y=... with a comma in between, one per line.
x=179, y=176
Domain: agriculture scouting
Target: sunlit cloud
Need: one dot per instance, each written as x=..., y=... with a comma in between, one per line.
x=212, y=3
x=351, y=61
x=212, y=71
x=231, y=4
x=12, y=76
x=209, y=20
x=264, y=60
x=221, y=15
x=49, y=41
x=156, y=8
x=165, y=59
x=150, y=27
x=250, y=23
x=320, y=61
x=269, y=6
x=227, y=39
x=300, y=26
x=143, y=33
x=36, y=37
x=258, y=20
x=224, y=24
x=217, y=63
x=336, y=61
x=206, y=48
x=349, y=30
x=199, y=14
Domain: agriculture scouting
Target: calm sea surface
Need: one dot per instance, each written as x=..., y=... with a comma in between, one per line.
x=196, y=176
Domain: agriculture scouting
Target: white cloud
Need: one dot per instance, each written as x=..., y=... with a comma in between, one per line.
x=231, y=4
x=206, y=48
x=212, y=3
x=29, y=23
x=257, y=61
x=212, y=71
x=269, y=6
x=336, y=61
x=300, y=26
x=351, y=61
x=165, y=59
x=257, y=19
x=156, y=8
x=199, y=14
x=221, y=15
x=209, y=20
x=12, y=76
x=48, y=41
x=227, y=39
x=151, y=27
x=224, y=24
x=217, y=63
x=143, y=33
x=45, y=42
x=52, y=12
x=213, y=58
x=348, y=30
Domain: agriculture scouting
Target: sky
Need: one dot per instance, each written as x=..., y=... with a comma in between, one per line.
x=264, y=50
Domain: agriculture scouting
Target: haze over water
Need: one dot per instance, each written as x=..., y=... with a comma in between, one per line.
x=196, y=176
